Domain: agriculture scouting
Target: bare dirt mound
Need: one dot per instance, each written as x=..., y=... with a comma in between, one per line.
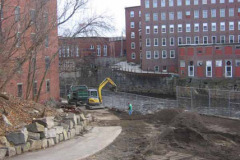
x=166, y=115
x=20, y=113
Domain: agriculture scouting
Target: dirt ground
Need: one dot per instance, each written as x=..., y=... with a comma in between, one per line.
x=170, y=134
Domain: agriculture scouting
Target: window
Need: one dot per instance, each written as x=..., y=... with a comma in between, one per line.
x=231, y=26
x=17, y=14
x=148, y=54
x=222, y=12
x=33, y=16
x=213, y=1
x=171, y=41
x=204, y=1
x=171, y=3
x=147, y=17
x=155, y=3
x=180, y=41
x=155, y=41
x=188, y=27
x=214, y=26
x=156, y=68
x=132, y=34
x=238, y=38
x=172, y=53
x=133, y=45
x=171, y=28
x=163, y=3
x=205, y=27
x=20, y=90
x=147, y=4
x=164, y=54
x=237, y=62
x=222, y=1
x=205, y=14
x=231, y=38
x=239, y=25
x=46, y=41
x=47, y=62
x=222, y=39
x=163, y=28
x=205, y=40
x=196, y=27
x=132, y=25
x=139, y=13
x=72, y=51
x=156, y=54
x=133, y=55
x=195, y=2
x=187, y=2
x=18, y=39
x=147, y=29
x=196, y=40
x=213, y=13
x=148, y=42
x=218, y=63
x=164, y=69
x=68, y=51
x=179, y=2
x=179, y=15
x=163, y=16
x=228, y=68
x=214, y=39
x=188, y=39
x=48, y=85
x=179, y=27
x=105, y=50
x=222, y=26
x=99, y=50
x=132, y=14
x=77, y=51
x=182, y=64
x=155, y=16
x=196, y=14
x=164, y=42
x=231, y=1
x=188, y=13
x=140, y=24
x=171, y=15
x=231, y=12
x=209, y=69
x=191, y=69
x=155, y=31
x=35, y=88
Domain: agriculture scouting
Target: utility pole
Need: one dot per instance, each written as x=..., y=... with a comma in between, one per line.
x=121, y=46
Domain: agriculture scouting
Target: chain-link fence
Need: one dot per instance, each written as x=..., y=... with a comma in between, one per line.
x=209, y=101
x=143, y=104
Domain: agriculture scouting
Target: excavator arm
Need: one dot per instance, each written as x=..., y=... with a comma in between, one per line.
x=103, y=84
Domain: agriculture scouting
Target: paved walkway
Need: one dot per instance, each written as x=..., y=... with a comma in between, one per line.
x=76, y=149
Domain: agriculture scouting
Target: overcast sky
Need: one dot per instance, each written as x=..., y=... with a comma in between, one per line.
x=113, y=8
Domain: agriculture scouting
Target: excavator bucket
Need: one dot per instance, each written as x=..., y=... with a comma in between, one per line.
x=114, y=89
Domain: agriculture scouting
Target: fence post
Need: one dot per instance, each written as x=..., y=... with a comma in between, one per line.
x=209, y=100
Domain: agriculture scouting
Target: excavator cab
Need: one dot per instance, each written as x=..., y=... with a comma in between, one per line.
x=93, y=97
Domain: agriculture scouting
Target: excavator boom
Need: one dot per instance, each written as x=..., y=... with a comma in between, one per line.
x=104, y=82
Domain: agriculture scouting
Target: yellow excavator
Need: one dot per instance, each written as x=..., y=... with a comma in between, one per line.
x=95, y=95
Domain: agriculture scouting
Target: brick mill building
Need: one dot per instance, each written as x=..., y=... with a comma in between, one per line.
x=33, y=30
x=179, y=35
x=89, y=50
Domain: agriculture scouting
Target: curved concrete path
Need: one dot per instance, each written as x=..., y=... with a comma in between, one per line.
x=76, y=149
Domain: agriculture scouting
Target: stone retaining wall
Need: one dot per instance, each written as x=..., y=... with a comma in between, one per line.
x=43, y=133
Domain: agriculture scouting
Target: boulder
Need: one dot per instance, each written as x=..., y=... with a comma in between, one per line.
x=44, y=143
x=59, y=129
x=11, y=151
x=69, y=123
x=65, y=135
x=82, y=117
x=69, y=134
x=34, y=136
x=3, y=153
x=65, y=126
x=56, y=139
x=35, y=127
x=50, y=142
x=47, y=122
x=4, y=141
x=18, y=138
x=26, y=147
x=73, y=133
x=42, y=134
x=78, y=119
x=72, y=117
x=78, y=129
x=35, y=144
x=61, y=137
x=50, y=133
x=18, y=150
